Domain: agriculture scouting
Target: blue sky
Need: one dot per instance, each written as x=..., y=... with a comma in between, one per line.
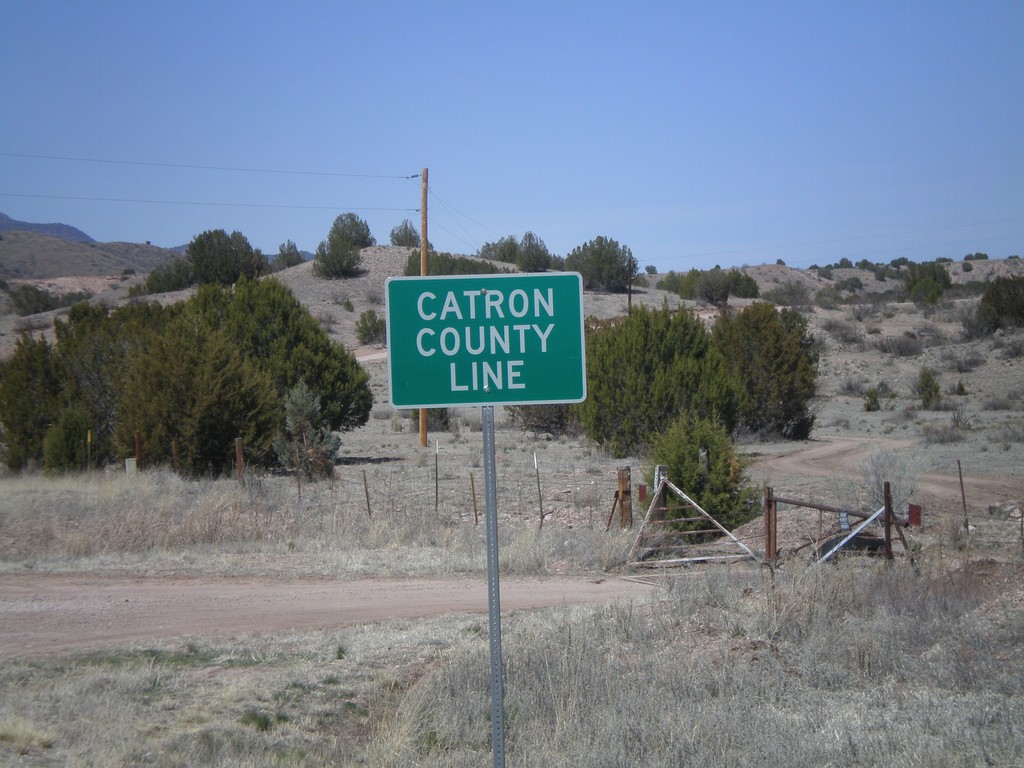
x=695, y=134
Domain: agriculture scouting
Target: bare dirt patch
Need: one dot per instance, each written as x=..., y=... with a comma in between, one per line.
x=46, y=614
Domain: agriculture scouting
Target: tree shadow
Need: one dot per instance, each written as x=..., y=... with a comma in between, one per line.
x=346, y=461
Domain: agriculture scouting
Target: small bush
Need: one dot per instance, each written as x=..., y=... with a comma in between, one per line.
x=941, y=434
x=959, y=389
x=962, y=363
x=1001, y=306
x=1012, y=433
x=927, y=388
x=903, y=416
x=713, y=286
x=677, y=283
x=776, y=360
x=885, y=389
x=827, y=298
x=405, y=234
x=173, y=275
x=852, y=385
x=371, y=328
x=844, y=332
x=925, y=283
x=960, y=419
x=789, y=294
x=644, y=371
x=288, y=255
x=900, y=346
x=307, y=445
x=1012, y=350
x=341, y=259
x=700, y=458
x=871, y=402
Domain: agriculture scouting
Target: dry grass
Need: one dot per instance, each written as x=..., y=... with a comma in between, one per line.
x=266, y=701
x=857, y=662
x=853, y=663
x=158, y=523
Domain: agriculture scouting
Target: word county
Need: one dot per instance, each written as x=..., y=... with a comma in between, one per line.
x=481, y=323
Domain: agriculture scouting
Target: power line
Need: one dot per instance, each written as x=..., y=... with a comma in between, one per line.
x=436, y=223
x=194, y=167
x=837, y=241
x=452, y=209
x=198, y=203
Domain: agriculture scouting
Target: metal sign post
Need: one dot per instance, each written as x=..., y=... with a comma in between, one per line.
x=493, y=591
x=487, y=340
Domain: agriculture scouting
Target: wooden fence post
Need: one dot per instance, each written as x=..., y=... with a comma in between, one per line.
x=366, y=491
x=625, y=498
x=472, y=491
x=771, y=511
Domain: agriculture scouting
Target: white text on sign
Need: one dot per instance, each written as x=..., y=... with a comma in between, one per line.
x=492, y=340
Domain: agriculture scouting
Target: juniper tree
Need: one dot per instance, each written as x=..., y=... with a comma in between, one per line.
x=306, y=444
x=645, y=371
x=700, y=460
x=30, y=386
x=774, y=358
x=339, y=255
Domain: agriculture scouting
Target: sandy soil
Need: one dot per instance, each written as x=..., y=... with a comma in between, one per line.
x=43, y=614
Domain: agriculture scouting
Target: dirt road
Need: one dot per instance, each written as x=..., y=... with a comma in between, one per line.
x=835, y=455
x=48, y=614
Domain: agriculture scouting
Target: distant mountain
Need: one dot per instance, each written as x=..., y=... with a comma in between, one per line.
x=30, y=255
x=63, y=231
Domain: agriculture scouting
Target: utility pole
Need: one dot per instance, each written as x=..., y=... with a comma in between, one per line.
x=423, y=273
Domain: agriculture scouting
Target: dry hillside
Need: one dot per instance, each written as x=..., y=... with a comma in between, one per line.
x=30, y=256
x=980, y=423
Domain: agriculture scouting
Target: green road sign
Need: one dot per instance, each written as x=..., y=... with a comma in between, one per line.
x=486, y=340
